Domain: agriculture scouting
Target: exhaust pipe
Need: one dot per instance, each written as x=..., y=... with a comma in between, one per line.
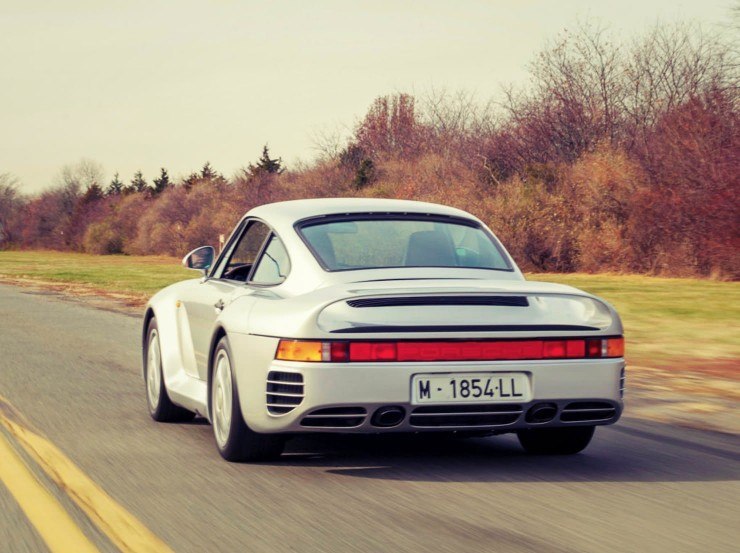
x=541, y=412
x=386, y=417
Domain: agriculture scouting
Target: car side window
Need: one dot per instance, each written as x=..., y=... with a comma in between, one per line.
x=245, y=252
x=223, y=257
x=273, y=266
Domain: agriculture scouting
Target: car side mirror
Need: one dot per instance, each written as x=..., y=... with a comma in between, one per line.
x=200, y=259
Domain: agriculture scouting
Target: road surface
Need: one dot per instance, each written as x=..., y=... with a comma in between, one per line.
x=69, y=376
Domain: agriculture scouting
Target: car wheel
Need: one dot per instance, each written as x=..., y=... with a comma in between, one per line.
x=160, y=406
x=234, y=439
x=556, y=441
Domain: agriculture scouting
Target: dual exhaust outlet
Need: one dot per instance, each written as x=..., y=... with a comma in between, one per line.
x=388, y=416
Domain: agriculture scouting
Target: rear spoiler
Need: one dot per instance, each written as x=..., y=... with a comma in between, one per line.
x=499, y=312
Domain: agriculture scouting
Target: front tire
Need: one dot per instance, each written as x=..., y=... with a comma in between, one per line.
x=160, y=406
x=234, y=439
x=556, y=441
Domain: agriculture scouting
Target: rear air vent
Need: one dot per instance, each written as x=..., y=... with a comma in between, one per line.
x=503, y=301
x=457, y=416
x=588, y=411
x=284, y=392
x=335, y=417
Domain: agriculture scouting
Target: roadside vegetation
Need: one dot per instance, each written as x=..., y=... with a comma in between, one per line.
x=664, y=317
x=620, y=157
x=137, y=276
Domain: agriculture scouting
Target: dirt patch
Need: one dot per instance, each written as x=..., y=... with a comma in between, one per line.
x=726, y=369
x=120, y=302
x=697, y=399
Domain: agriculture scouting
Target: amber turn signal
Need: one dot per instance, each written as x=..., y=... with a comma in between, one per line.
x=299, y=350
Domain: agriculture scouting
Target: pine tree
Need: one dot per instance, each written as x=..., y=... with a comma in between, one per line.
x=138, y=183
x=207, y=173
x=365, y=173
x=190, y=180
x=115, y=187
x=266, y=164
x=162, y=182
x=93, y=193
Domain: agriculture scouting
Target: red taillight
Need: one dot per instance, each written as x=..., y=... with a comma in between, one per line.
x=554, y=349
x=339, y=351
x=470, y=351
x=593, y=348
x=449, y=350
x=575, y=348
x=373, y=351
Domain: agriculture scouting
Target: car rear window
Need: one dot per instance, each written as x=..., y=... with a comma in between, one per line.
x=385, y=242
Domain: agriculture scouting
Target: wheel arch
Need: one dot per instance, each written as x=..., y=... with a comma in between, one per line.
x=148, y=316
x=218, y=334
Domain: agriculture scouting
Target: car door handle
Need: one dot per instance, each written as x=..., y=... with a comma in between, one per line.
x=219, y=305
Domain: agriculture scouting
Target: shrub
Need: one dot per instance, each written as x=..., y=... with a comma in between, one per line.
x=103, y=238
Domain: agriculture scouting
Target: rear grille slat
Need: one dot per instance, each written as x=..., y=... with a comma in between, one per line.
x=329, y=416
x=469, y=408
x=502, y=301
x=461, y=416
x=588, y=411
x=335, y=417
x=284, y=392
x=279, y=409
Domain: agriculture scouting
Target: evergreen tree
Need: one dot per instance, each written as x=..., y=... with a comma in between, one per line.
x=365, y=173
x=115, y=187
x=162, y=182
x=207, y=173
x=93, y=193
x=138, y=183
x=266, y=164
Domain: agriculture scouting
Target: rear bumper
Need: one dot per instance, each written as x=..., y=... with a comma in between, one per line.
x=346, y=396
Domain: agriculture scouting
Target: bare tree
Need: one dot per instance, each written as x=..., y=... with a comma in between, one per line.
x=329, y=143
x=391, y=127
x=10, y=203
x=456, y=122
x=80, y=176
x=670, y=66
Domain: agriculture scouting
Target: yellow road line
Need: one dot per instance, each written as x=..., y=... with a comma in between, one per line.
x=52, y=522
x=121, y=527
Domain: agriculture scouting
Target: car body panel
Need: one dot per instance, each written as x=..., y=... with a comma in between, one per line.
x=311, y=303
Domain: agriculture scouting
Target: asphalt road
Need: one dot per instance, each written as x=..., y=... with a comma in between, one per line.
x=73, y=372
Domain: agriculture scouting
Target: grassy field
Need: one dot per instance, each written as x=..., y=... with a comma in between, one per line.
x=682, y=322
x=138, y=276
x=669, y=320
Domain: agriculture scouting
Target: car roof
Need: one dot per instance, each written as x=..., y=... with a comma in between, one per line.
x=289, y=212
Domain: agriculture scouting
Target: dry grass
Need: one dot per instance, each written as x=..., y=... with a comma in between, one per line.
x=670, y=322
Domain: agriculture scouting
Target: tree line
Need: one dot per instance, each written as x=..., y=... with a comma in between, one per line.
x=614, y=157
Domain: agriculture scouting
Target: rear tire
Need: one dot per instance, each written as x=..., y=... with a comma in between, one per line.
x=160, y=406
x=555, y=441
x=234, y=439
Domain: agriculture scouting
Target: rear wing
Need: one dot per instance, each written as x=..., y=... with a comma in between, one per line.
x=499, y=313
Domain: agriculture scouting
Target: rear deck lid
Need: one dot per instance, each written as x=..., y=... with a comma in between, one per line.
x=488, y=306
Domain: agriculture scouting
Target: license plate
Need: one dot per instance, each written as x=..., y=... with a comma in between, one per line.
x=471, y=388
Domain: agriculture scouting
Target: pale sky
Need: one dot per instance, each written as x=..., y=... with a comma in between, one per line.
x=144, y=84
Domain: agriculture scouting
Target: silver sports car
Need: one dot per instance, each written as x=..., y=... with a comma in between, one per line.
x=368, y=316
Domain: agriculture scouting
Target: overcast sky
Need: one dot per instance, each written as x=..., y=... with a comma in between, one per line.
x=143, y=84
